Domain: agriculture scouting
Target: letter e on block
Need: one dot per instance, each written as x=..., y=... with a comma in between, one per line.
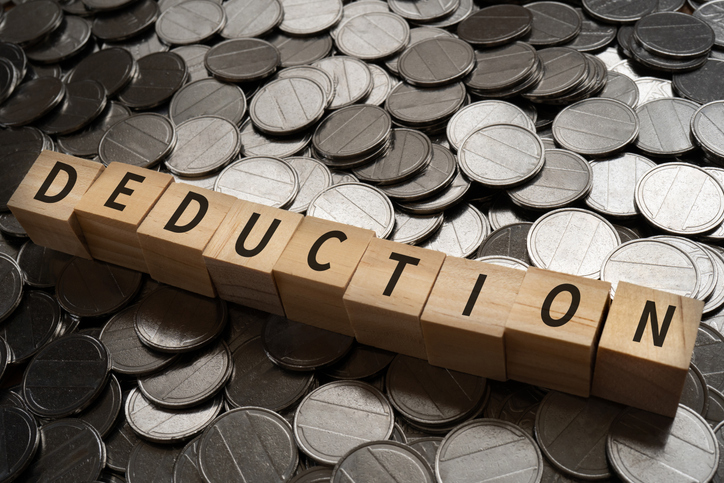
x=465, y=315
x=242, y=254
x=314, y=270
x=44, y=201
x=387, y=294
x=113, y=208
x=176, y=231
x=645, y=348
x=552, y=330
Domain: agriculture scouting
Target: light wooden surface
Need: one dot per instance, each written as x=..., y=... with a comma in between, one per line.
x=464, y=328
x=246, y=278
x=562, y=357
x=312, y=296
x=111, y=231
x=174, y=253
x=387, y=294
x=54, y=224
x=641, y=373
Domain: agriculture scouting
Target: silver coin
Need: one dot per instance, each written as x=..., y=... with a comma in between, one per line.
x=355, y=204
x=455, y=59
x=287, y=105
x=351, y=77
x=208, y=97
x=251, y=18
x=464, y=10
x=718, y=174
x=373, y=35
x=554, y=23
x=611, y=56
x=462, y=232
x=478, y=115
x=652, y=88
x=423, y=10
x=564, y=70
x=622, y=88
x=509, y=241
x=434, y=178
x=338, y=416
x=451, y=196
x=504, y=261
x=716, y=299
x=489, y=449
x=715, y=410
x=205, y=144
x=311, y=73
x=382, y=85
x=309, y=17
x=707, y=356
x=297, y=51
x=168, y=425
x=265, y=180
x=339, y=177
x=571, y=240
x=255, y=143
x=695, y=394
x=680, y=198
x=614, y=184
x=707, y=271
x=645, y=447
x=654, y=264
x=190, y=22
x=501, y=155
x=502, y=212
x=401, y=464
x=411, y=229
x=140, y=140
x=354, y=9
x=314, y=177
x=410, y=152
x=417, y=34
x=665, y=126
x=706, y=128
x=193, y=56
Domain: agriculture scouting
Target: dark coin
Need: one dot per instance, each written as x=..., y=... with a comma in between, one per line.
x=448, y=198
x=242, y=60
x=9, y=79
x=66, y=376
x=352, y=132
x=231, y=446
x=4, y=356
x=674, y=34
x=420, y=107
x=701, y=85
x=85, y=143
x=31, y=326
x=11, y=285
x=707, y=352
x=593, y=36
x=402, y=464
x=186, y=469
x=31, y=101
x=103, y=413
x=410, y=152
x=90, y=288
x=496, y=25
x=14, y=54
x=256, y=381
x=619, y=12
x=301, y=347
x=113, y=68
x=173, y=320
x=362, y=362
x=295, y=51
x=151, y=135
x=119, y=444
x=127, y=22
x=106, y=5
x=20, y=439
x=455, y=59
x=152, y=463
x=622, y=88
x=508, y=241
x=28, y=23
x=40, y=265
x=315, y=474
x=564, y=70
x=432, y=180
x=554, y=23
x=66, y=41
x=503, y=67
x=666, y=64
x=208, y=97
x=244, y=324
x=84, y=101
x=159, y=76
x=193, y=56
x=10, y=227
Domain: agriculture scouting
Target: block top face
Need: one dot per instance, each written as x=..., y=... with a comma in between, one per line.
x=187, y=215
x=74, y=175
x=124, y=193
x=395, y=275
x=624, y=325
x=559, y=306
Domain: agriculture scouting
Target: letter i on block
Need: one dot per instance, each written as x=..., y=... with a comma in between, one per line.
x=387, y=294
x=176, y=231
x=552, y=330
x=464, y=318
x=645, y=348
x=45, y=200
x=113, y=208
x=242, y=254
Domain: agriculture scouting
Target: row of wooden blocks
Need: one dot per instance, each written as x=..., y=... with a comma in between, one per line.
x=536, y=326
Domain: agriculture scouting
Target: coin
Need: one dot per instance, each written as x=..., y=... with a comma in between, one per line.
x=251, y=18
x=496, y=25
x=614, y=184
x=288, y=105
x=205, y=144
x=456, y=59
x=266, y=180
x=351, y=78
x=308, y=17
x=159, y=76
x=373, y=35
x=665, y=126
x=190, y=22
x=126, y=22
x=242, y=60
x=402, y=464
x=147, y=460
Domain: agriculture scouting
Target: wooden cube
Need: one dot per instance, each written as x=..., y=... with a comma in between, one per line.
x=464, y=319
x=176, y=231
x=645, y=348
x=111, y=211
x=44, y=201
x=552, y=330
x=387, y=294
x=314, y=270
x=243, y=251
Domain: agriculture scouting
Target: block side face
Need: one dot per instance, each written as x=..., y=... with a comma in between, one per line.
x=245, y=286
x=66, y=237
x=113, y=243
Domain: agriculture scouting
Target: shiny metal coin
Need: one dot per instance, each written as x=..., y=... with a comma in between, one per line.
x=84, y=143
x=309, y=17
x=593, y=36
x=208, y=97
x=425, y=10
x=619, y=13
x=84, y=101
x=242, y=60
x=402, y=464
x=462, y=232
x=456, y=59
x=315, y=74
x=416, y=106
x=382, y=85
x=674, y=34
x=119, y=444
x=554, y=23
x=126, y=22
x=190, y=22
x=410, y=152
x=351, y=77
x=448, y=198
x=564, y=69
x=352, y=132
x=622, y=88
x=186, y=468
x=31, y=101
x=373, y=35
x=665, y=126
x=152, y=137
x=298, y=51
x=710, y=12
x=478, y=115
x=255, y=143
x=417, y=34
x=706, y=356
x=411, y=229
x=193, y=56
x=251, y=18
x=27, y=23
x=508, y=241
x=354, y=9
x=265, y=180
x=705, y=128
x=651, y=88
x=614, y=184
x=142, y=45
x=11, y=285
x=205, y=145
x=67, y=40
x=504, y=261
x=314, y=177
x=40, y=265
x=287, y=106
x=695, y=394
x=114, y=68
x=704, y=261
x=434, y=178
x=503, y=67
x=716, y=299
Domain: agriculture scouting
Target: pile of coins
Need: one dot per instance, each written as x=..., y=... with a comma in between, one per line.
x=583, y=137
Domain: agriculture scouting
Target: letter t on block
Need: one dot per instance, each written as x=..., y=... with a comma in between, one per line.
x=44, y=201
x=645, y=348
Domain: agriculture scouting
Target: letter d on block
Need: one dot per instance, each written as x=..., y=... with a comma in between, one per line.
x=45, y=200
x=645, y=348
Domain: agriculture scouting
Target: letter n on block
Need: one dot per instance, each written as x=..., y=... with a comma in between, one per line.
x=387, y=294
x=645, y=348
x=464, y=318
x=176, y=231
x=242, y=254
x=315, y=269
x=113, y=208
x=44, y=201
x=552, y=330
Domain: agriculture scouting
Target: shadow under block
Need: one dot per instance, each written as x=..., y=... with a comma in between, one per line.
x=113, y=208
x=645, y=348
x=44, y=201
x=553, y=328
x=464, y=319
x=387, y=294
x=243, y=251
x=314, y=270
x=176, y=231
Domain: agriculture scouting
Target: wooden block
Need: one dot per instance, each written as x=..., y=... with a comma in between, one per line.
x=387, y=294
x=645, y=348
x=314, y=270
x=552, y=330
x=243, y=251
x=113, y=208
x=176, y=231
x=44, y=201
x=464, y=319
